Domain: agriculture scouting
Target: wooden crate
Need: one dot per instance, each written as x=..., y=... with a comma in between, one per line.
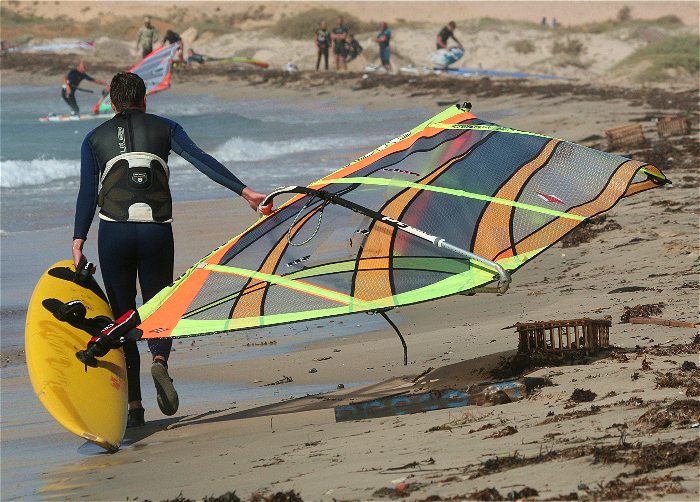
x=672, y=126
x=584, y=334
x=625, y=136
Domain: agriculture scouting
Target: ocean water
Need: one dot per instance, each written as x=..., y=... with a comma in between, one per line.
x=265, y=143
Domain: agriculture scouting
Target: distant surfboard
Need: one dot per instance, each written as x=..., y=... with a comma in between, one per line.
x=76, y=118
x=89, y=402
x=480, y=72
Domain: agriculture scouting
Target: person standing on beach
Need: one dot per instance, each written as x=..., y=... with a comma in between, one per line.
x=322, y=39
x=445, y=34
x=338, y=35
x=383, y=38
x=124, y=171
x=146, y=38
x=71, y=83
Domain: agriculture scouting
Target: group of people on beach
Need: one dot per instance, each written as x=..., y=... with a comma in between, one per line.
x=346, y=47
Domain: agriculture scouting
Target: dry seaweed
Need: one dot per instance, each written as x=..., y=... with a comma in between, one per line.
x=486, y=494
x=647, y=310
x=570, y=415
x=677, y=378
x=646, y=458
x=589, y=230
x=506, y=431
x=582, y=396
x=658, y=456
x=670, y=350
x=678, y=414
x=619, y=489
x=520, y=363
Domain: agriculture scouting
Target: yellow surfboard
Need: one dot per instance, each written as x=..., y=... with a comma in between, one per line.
x=89, y=402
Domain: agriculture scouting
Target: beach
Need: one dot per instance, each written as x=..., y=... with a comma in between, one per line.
x=257, y=407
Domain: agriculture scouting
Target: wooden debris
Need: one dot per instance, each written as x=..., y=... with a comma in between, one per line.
x=662, y=322
x=625, y=136
x=672, y=126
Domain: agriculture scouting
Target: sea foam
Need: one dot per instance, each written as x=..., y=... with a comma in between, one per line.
x=17, y=173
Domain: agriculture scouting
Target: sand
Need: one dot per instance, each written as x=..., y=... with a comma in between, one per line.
x=636, y=438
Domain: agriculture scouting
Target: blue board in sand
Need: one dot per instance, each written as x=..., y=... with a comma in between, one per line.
x=479, y=72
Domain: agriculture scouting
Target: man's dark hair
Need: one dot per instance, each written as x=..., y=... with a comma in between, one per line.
x=127, y=90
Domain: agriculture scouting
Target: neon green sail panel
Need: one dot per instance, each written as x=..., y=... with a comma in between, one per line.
x=502, y=194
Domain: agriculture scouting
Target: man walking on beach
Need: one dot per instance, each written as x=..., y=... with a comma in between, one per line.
x=146, y=38
x=338, y=37
x=383, y=38
x=322, y=39
x=124, y=170
x=71, y=83
x=445, y=34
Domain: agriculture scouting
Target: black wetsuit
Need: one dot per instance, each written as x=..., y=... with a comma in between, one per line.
x=129, y=249
x=444, y=35
x=322, y=39
x=352, y=49
x=74, y=78
x=171, y=37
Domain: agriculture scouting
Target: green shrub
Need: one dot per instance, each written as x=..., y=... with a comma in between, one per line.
x=302, y=26
x=569, y=47
x=522, y=46
x=675, y=52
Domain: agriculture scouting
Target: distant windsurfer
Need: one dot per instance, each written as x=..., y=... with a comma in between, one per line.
x=146, y=37
x=445, y=34
x=124, y=171
x=171, y=37
x=71, y=83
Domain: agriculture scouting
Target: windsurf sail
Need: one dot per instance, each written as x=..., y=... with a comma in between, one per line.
x=155, y=70
x=452, y=205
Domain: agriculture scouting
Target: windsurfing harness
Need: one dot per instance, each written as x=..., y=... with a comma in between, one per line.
x=134, y=183
x=136, y=145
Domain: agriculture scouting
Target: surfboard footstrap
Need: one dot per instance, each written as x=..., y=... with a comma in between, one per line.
x=111, y=337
